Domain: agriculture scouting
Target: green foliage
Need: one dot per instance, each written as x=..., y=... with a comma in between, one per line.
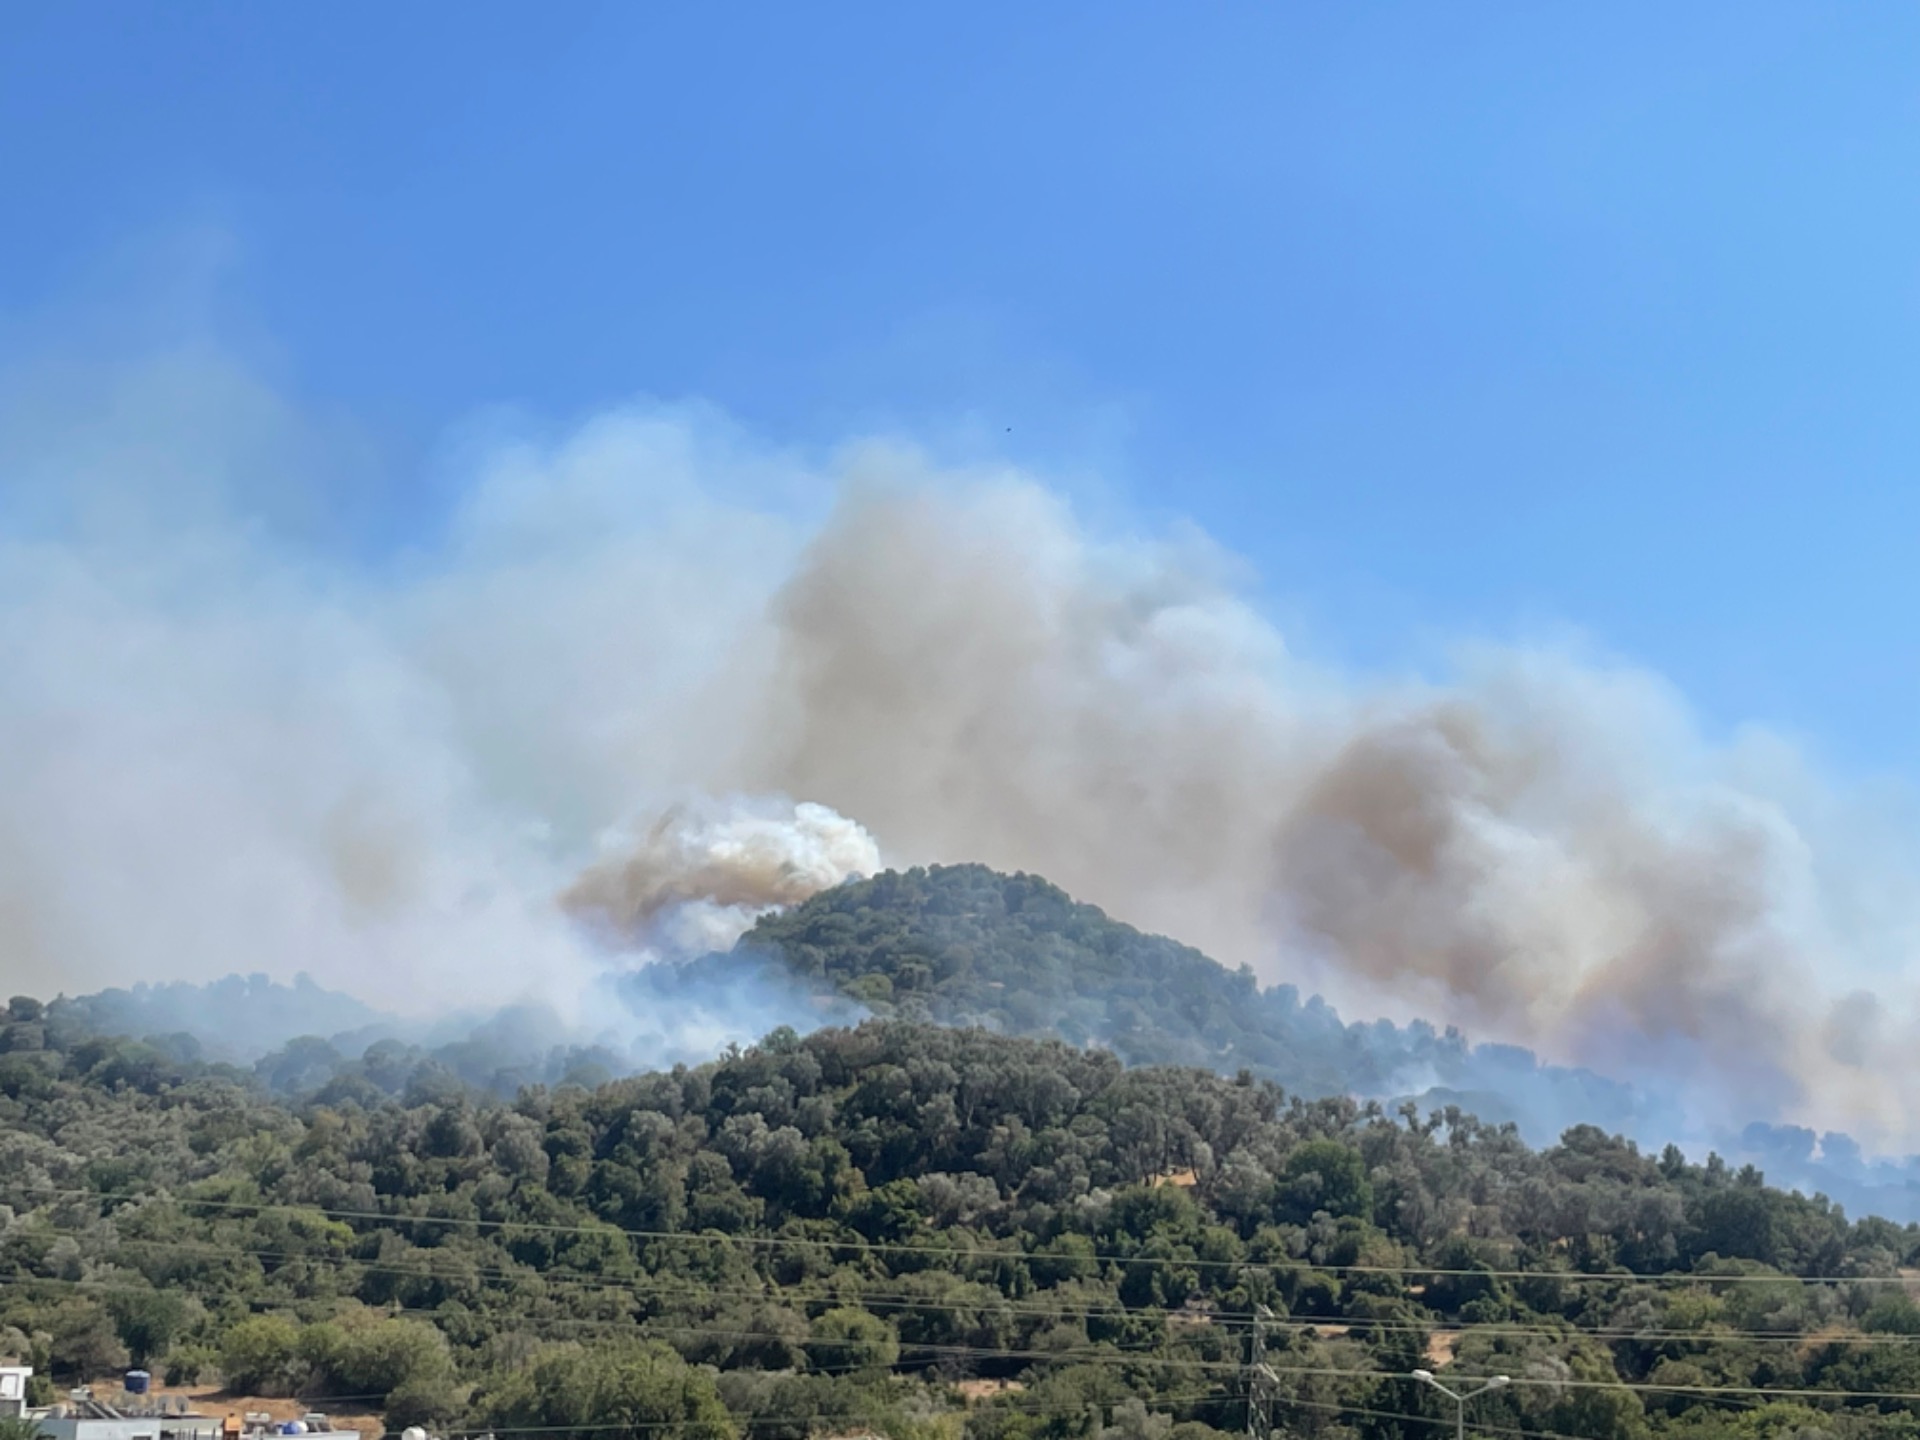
x=191, y=1364
x=1893, y=1313
x=82, y=1342
x=848, y=1340
x=629, y=1392
x=377, y=1358
x=1778, y=1421
x=148, y=1320
x=966, y=945
x=820, y=1236
x=261, y=1355
x=1598, y=1410
x=1325, y=1175
x=1065, y=1257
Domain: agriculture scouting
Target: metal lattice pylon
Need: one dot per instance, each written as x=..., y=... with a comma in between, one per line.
x=1262, y=1383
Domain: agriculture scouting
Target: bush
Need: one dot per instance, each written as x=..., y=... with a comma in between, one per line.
x=190, y=1364
x=426, y=1402
x=852, y=1340
x=382, y=1358
x=1892, y=1314
x=1326, y=1175
x=83, y=1342
x=621, y=1392
x=148, y=1320
x=261, y=1356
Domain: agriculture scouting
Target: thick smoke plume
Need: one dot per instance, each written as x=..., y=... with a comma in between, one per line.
x=704, y=878
x=231, y=750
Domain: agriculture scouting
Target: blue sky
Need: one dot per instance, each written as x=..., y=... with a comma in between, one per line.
x=1456, y=320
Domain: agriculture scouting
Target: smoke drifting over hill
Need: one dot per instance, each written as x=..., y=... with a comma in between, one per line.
x=701, y=879
x=234, y=751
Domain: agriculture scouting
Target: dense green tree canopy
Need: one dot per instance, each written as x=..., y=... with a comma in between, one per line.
x=832, y=1234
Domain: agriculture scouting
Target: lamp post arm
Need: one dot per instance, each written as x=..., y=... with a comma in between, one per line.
x=1459, y=1400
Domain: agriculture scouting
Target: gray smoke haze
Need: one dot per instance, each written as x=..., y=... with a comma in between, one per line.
x=232, y=750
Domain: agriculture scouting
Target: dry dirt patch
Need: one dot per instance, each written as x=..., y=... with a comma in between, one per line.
x=1440, y=1347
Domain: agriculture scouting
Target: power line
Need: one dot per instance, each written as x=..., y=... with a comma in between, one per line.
x=651, y=1282
x=1638, y=1386
x=655, y=1285
x=1371, y=1413
x=671, y=1288
x=972, y=1253
x=1092, y=1352
x=1110, y=1354
x=1047, y=1408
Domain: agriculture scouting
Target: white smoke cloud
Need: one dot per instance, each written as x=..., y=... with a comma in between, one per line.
x=229, y=752
x=696, y=879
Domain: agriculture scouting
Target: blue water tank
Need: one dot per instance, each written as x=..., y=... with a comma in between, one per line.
x=138, y=1381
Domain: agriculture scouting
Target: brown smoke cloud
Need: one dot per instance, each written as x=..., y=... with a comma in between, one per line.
x=742, y=859
x=1542, y=850
x=238, y=754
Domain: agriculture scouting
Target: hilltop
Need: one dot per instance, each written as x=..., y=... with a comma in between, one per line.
x=967, y=945
x=955, y=946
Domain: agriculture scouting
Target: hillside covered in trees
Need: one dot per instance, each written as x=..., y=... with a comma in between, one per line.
x=967, y=945
x=922, y=1232
x=960, y=945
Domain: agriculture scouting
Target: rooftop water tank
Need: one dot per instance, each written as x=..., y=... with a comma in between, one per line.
x=138, y=1381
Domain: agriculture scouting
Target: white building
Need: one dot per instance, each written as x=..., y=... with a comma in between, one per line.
x=128, y=1427
x=147, y=1417
x=129, y=1417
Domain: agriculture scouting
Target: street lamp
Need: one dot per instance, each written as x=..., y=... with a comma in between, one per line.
x=1425, y=1377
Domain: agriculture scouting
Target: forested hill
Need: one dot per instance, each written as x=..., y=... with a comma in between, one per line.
x=957, y=945
x=966, y=945
x=920, y=1233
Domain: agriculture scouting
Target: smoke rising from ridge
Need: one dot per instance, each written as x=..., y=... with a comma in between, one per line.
x=233, y=752
x=705, y=877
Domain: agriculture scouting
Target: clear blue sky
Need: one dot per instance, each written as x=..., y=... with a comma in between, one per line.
x=1455, y=318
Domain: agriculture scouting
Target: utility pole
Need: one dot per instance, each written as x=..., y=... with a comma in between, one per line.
x=1459, y=1400
x=1261, y=1381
